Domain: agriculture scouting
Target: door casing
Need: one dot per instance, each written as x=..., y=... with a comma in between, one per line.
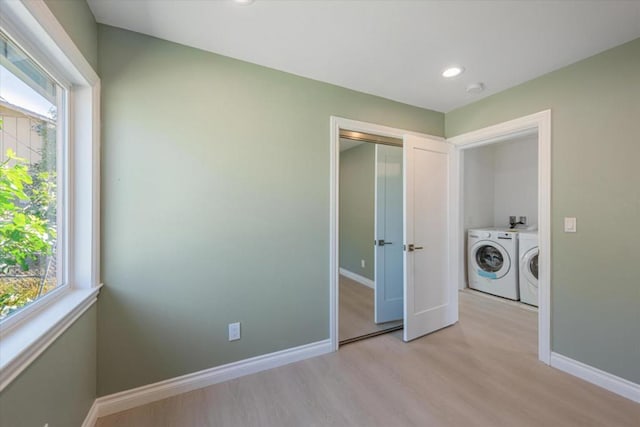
x=337, y=123
x=540, y=123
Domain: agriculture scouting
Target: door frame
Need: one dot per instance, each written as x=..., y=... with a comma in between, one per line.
x=337, y=123
x=540, y=122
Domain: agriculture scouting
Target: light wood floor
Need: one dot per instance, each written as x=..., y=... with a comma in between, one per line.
x=356, y=311
x=480, y=372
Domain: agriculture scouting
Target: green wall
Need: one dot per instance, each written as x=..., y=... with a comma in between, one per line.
x=59, y=386
x=215, y=206
x=357, y=209
x=216, y=210
x=595, y=107
x=78, y=21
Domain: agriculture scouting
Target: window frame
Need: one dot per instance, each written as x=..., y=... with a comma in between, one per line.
x=27, y=333
x=62, y=182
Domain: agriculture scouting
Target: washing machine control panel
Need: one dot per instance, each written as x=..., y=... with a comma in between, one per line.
x=480, y=234
x=505, y=235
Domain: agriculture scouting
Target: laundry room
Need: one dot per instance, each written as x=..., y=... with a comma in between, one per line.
x=500, y=214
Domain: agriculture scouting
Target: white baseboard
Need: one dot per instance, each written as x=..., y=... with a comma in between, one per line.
x=128, y=399
x=92, y=416
x=615, y=384
x=358, y=278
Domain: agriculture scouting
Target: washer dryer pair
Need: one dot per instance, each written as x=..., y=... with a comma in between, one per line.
x=528, y=243
x=493, y=261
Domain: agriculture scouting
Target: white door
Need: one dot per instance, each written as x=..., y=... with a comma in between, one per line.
x=388, y=235
x=430, y=300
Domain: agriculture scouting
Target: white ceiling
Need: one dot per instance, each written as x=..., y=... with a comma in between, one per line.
x=394, y=49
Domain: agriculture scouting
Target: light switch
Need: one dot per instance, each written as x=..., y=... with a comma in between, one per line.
x=234, y=331
x=570, y=225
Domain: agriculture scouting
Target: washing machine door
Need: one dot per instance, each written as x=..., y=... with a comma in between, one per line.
x=490, y=259
x=530, y=264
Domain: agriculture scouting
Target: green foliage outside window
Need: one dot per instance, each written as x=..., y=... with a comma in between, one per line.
x=25, y=232
x=27, y=226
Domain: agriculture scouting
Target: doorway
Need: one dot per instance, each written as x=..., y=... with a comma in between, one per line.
x=536, y=127
x=429, y=303
x=500, y=211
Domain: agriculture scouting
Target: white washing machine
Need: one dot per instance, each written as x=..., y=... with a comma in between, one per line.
x=493, y=261
x=528, y=243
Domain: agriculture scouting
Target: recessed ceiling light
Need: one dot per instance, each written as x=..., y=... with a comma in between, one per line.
x=452, y=72
x=245, y=2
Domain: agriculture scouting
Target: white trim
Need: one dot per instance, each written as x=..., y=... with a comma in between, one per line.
x=515, y=128
x=30, y=310
x=39, y=31
x=358, y=278
x=337, y=123
x=613, y=383
x=84, y=158
x=22, y=344
x=366, y=127
x=92, y=416
x=94, y=207
x=128, y=399
x=542, y=123
x=36, y=29
x=334, y=261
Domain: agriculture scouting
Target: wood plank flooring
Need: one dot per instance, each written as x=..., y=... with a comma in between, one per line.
x=356, y=311
x=481, y=372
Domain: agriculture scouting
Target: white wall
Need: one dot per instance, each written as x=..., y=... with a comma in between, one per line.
x=479, y=187
x=516, y=181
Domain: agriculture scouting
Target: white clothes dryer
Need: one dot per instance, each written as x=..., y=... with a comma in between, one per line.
x=493, y=261
x=528, y=242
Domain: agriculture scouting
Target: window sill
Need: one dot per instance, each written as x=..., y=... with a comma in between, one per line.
x=22, y=343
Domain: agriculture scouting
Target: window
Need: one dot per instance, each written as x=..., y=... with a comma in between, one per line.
x=60, y=100
x=32, y=185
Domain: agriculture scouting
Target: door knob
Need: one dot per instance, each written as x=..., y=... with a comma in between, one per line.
x=381, y=242
x=411, y=247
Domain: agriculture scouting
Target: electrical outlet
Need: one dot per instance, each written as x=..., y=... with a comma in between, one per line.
x=234, y=331
x=362, y=263
x=523, y=220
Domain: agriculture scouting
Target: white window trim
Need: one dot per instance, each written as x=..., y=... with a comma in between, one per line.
x=28, y=333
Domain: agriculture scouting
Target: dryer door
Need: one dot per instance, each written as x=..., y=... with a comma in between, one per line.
x=530, y=264
x=490, y=260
